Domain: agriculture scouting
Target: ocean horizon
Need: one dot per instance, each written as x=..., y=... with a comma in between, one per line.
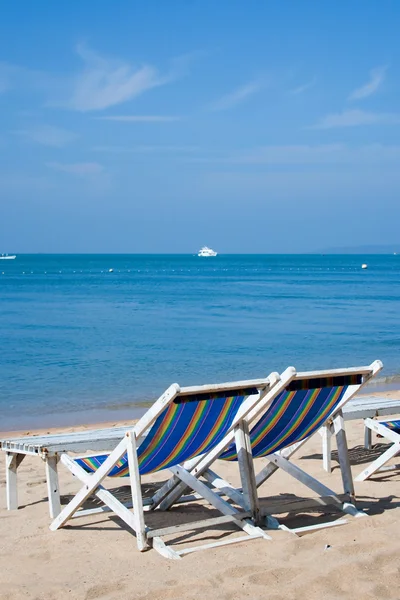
x=95, y=337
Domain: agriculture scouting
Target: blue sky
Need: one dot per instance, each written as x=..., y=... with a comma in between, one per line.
x=162, y=126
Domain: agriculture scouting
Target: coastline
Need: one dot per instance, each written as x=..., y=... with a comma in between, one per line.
x=121, y=418
x=5, y=434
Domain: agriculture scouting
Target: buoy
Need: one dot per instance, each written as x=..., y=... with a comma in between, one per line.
x=364, y=266
x=110, y=270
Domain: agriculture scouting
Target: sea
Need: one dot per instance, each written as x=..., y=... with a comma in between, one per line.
x=90, y=338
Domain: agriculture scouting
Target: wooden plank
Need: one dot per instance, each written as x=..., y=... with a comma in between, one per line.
x=136, y=491
x=224, y=487
x=53, y=490
x=369, y=408
x=11, y=481
x=270, y=469
x=246, y=468
x=236, y=540
x=13, y=461
x=229, y=385
x=326, y=434
x=389, y=468
x=205, y=523
x=373, y=368
x=343, y=455
x=146, y=504
x=92, y=440
x=310, y=528
x=382, y=430
x=165, y=551
x=367, y=438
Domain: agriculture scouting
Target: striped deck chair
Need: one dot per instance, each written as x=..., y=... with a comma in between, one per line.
x=309, y=401
x=182, y=424
x=390, y=430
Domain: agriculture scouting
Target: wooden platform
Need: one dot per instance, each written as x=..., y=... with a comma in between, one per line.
x=49, y=448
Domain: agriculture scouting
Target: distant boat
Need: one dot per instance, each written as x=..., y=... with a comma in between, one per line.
x=364, y=266
x=7, y=256
x=206, y=251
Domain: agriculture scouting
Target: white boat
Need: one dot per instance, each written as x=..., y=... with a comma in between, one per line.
x=206, y=251
x=7, y=256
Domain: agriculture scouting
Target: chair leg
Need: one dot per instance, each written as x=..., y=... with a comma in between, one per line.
x=343, y=454
x=53, y=488
x=11, y=481
x=326, y=435
x=13, y=461
x=136, y=491
x=367, y=438
x=247, y=475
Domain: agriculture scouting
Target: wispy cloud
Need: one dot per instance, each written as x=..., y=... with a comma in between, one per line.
x=376, y=78
x=79, y=169
x=302, y=88
x=237, y=96
x=105, y=82
x=100, y=83
x=48, y=135
x=140, y=118
x=355, y=118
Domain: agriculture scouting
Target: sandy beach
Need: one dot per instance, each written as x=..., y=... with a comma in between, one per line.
x=97, y=558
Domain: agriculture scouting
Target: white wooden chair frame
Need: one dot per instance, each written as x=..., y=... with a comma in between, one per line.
x=146, y=538
x=360, y=407
x=248, y=498
x=380, y=464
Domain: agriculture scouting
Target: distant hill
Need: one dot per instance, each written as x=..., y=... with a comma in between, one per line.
x=367, y=249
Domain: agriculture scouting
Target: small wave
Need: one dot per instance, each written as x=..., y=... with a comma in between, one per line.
x=132, y=404
x=387, y=379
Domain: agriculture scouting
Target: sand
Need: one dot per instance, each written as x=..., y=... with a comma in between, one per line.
x=96, y=557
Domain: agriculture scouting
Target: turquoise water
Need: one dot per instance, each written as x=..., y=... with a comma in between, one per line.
x=80, y=343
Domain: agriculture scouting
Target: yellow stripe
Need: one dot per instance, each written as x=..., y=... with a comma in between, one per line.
x=163, y=428
x=188, y=433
